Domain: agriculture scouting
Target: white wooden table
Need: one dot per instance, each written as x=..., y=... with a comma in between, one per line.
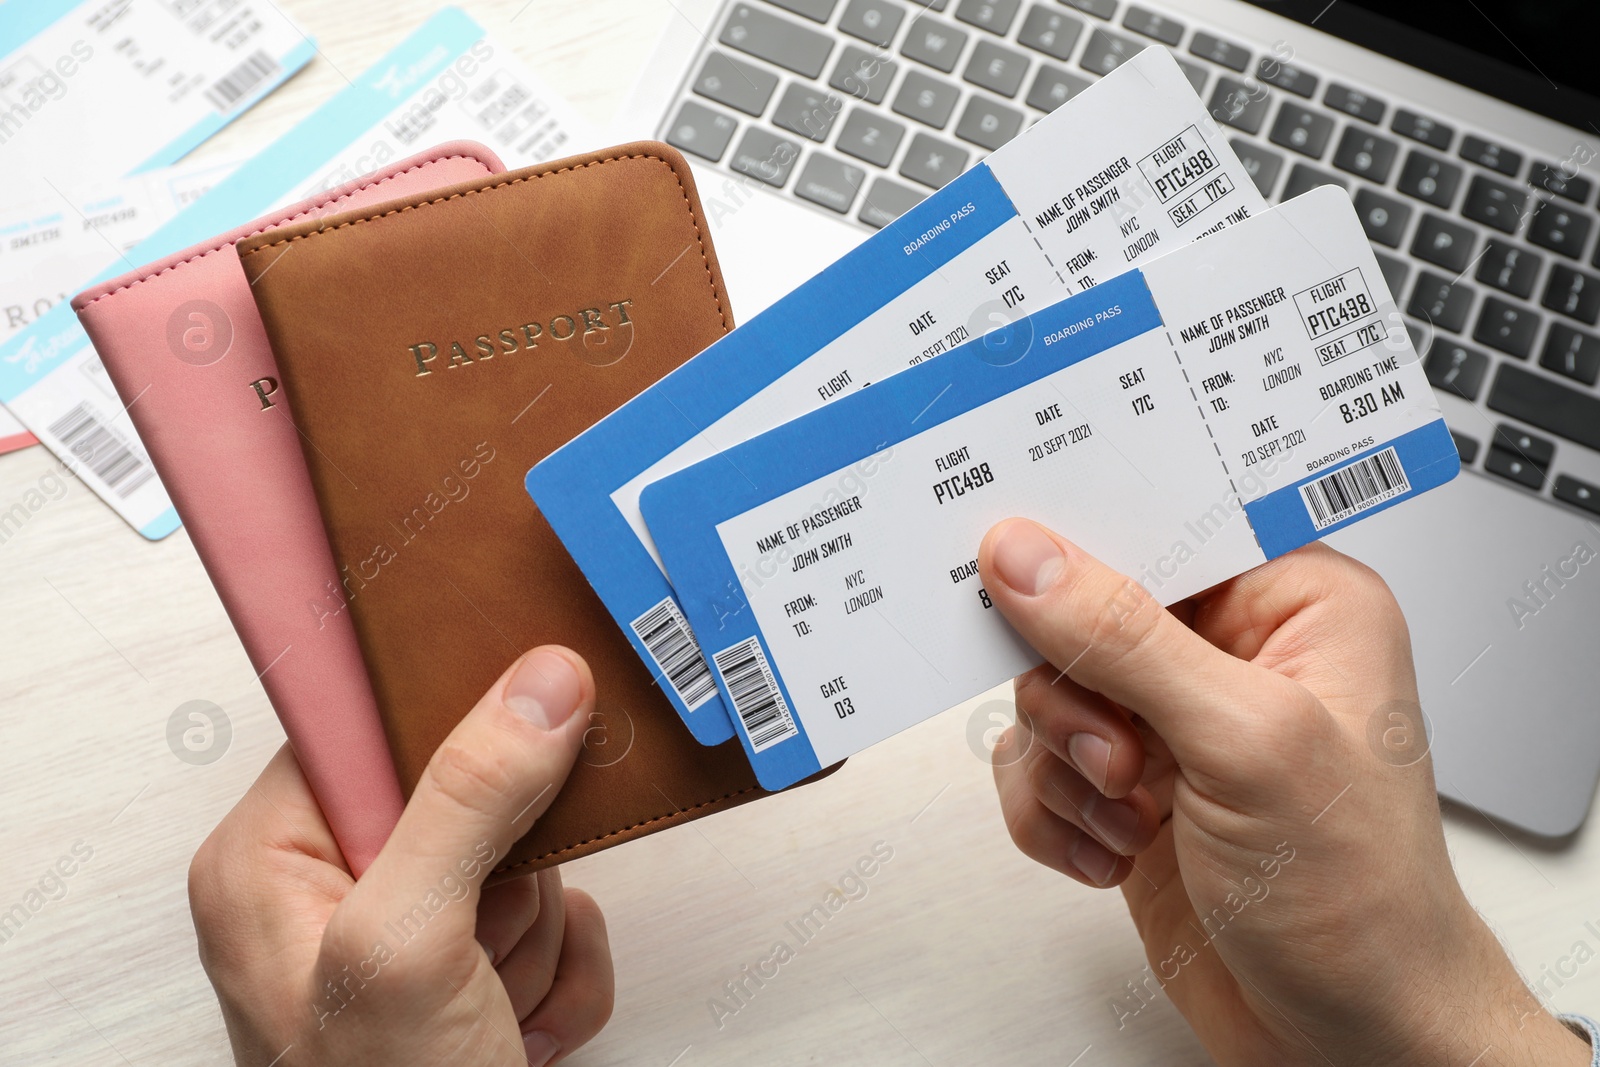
x=960, y=951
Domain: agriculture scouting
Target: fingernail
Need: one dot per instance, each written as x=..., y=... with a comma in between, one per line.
x=541, y=1048
x=545, y=690
x=1028, y=560
x=1091, y=754
x=487, y=951
x=1113, y=822
x=1093, y=861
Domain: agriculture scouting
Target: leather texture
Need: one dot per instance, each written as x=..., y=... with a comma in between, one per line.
x=183, y=344
x=435, y=348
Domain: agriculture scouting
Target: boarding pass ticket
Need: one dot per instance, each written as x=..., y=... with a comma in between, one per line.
x=1130, y=168
x=103, y=88
x=447, y=81
x=1184, y=422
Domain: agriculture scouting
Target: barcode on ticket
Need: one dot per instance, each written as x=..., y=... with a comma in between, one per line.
x=757, y=700
x=1351, y=490
x=101, y=449
x=238, y=82
x=666, y=634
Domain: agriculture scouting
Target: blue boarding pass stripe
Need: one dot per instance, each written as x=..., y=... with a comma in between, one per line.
x=257, y=184
x=23, y=20
x=572, y=487
x=1282, y=524
x=684, y=509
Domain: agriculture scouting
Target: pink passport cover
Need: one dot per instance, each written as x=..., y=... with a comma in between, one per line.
x=183, y=343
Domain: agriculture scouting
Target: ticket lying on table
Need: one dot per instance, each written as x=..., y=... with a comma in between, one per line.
x=446, y=81
x=1185, y=422
x=1130, y=168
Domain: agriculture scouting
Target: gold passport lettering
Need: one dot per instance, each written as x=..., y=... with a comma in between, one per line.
x=522, y=338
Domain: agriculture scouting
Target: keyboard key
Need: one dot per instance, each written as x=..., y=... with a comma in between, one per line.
x=1560, y=230
x=1475, y=149
x=873, y=21
x=815, y=10
x=1418, y=333
x=868, y=135
x=996, y=68
x=1355, y=103
x=1209, y=46
x=988, y=124
x=1562, y=181
x=1494, y=204
x=1540, y=451
x=1384, y=218
x=1197, y=74
x=1440, y=302
x=1571, y=352
x=1303, y=179
x=863, y=74
x=1546, y=404
x=1291, y=79
x=1302, y=130
x=1430, y=179
x=830, y=182
x=1570, y=490
x=702, y=131
x=1509, y=327
x=1051, y=32
x=1509, y=269
x=807, y=111
x=992, y=15
x=1573, y=293
x=1104, y=9
x=1395, y=273
x=1444, y=243
x=1168, y=31
x=887, y=201
x=933, y=162
x=1457, y=369
x=1420, y=128
x=765, y=156
x=934, y=42
x=1105, y=52
x=1053, y=87
x=1244, y=107
x=1365, y=155
x=1466, y=446
x=927, y=99
x=1262, y=164
x=1513, y=467
x=777, y=40
x=739, y=85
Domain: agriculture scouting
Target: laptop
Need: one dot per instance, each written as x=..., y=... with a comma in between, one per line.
x=1467, y=135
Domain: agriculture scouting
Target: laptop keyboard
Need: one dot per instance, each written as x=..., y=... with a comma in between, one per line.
x=863, y=107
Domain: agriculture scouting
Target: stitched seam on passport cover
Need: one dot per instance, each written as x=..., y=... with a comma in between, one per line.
x=286, y=221
x=716, y=296
x=626, y=829
x=694, y=218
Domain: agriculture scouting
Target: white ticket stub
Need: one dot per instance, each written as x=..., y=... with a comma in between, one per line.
x=1184, y=422
x=1130, y=168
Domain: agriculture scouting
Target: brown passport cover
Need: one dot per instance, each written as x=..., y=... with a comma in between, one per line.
x=432, y=350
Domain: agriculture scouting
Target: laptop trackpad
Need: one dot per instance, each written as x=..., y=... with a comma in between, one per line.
x=1502, y=594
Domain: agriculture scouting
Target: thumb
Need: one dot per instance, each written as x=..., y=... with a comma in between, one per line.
x=495, y=774
x=1105, y=632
